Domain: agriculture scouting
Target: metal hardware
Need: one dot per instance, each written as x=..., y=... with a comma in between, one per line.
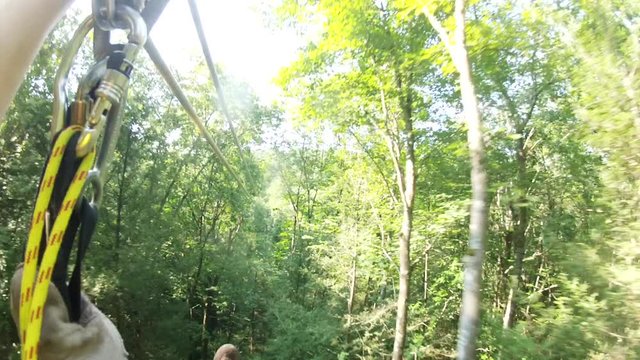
x=113, y=85
x=60, y=82
x=101, y=94
x=104, y=12
x=110, y=79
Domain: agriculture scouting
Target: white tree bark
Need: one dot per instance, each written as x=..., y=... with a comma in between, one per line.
x=470, y=311
x=406, y=179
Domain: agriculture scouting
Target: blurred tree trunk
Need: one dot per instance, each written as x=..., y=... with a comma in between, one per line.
x=521, y=215
x=397, y=137
x=352, y=287
x=119, y=303
x=471, y=303
x=517, y=237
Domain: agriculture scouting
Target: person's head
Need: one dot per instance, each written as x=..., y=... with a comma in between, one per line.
x=227, y=352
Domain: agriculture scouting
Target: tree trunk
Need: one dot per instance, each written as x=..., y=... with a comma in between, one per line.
x=353, y=281
x=252, y=332
x=365, y=301
x=120, y=200
x=352, y=288
x=521, y=213
x=119, y=303
x=470, y=311
x=403, y=287
x=203, y=335
x=407, y=191
x=425, y=283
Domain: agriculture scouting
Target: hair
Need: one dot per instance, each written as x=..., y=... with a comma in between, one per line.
x=227, y=352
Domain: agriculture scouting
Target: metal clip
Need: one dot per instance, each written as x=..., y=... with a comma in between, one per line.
x=113, y=86
x=110, y=79
x=101, y=94
x=60, y=82
x=106, y=20
x=104, y=12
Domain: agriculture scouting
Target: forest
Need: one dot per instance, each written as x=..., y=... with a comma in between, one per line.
x=437, y=181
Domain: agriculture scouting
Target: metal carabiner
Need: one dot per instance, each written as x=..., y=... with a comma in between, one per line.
x=106, y=12
x=102, y=92
x=108, y=81
x=113, y=86
x=62, y=74
x=80, y=112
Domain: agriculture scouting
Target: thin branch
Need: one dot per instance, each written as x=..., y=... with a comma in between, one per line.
x=511, y=105
x=437, y=25
x=376, y=165
x=394, y=151
x=385, y=253
x=527, y=139
x=533, y=103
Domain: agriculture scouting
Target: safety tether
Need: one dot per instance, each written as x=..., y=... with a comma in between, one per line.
x=36, y=277
x=95, y=113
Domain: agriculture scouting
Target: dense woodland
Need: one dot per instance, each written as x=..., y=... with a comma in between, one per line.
x=356, y=194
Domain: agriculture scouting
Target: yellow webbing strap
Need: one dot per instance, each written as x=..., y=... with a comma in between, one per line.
x=35, y=282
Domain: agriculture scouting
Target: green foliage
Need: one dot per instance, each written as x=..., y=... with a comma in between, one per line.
x=307, y=268
x=296, y=339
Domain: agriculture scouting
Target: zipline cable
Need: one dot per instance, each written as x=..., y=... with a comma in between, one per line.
x=152, y=11
x=195, y=14
x=175, y=88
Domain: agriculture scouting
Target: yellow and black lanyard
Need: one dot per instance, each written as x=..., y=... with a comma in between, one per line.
x=77, y=159
x=41, y=261
x=62, y=213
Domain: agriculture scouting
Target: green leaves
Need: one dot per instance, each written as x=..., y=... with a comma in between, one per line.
x=308, y=268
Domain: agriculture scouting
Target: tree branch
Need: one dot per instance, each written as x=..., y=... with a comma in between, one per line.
x=394, y=151
x=437, y=25
x=376, y=165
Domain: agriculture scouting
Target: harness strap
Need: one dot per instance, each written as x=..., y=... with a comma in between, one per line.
x=37, y=226
x=84, y=217
x=68, y=168
x=88, y=219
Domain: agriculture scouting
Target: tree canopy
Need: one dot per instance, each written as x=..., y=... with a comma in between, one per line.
x=355, y=235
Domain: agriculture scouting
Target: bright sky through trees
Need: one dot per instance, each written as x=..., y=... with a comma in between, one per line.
x=241, y=41
x=352, y=236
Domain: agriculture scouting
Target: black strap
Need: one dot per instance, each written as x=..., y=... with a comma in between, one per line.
x=84, y=217
x=68, y=168
x=89, y=219
x=59, y=275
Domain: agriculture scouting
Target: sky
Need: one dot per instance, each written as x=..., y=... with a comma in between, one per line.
x=239, y=36
x=243, y=39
